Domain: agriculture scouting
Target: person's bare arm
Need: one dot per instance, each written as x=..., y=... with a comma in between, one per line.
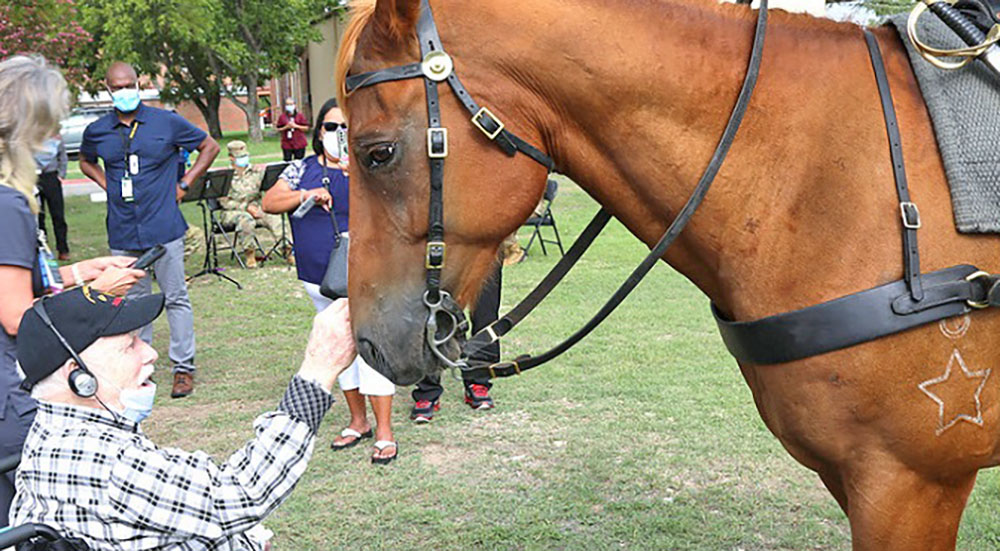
x=17, y=296
x=94, y=172
x=282, y=198
x=208, y=150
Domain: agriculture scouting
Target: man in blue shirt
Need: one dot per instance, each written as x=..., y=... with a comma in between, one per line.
x=138, y=146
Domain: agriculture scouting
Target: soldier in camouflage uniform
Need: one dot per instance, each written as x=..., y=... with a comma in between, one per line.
x=242, y=206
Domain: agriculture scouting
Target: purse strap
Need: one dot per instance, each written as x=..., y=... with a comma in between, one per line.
x=333, y=213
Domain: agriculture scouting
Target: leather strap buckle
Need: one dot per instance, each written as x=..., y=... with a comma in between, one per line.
x=501, y=365
x=435, y=255
x=485, y=117
x=437, y=143
x=971, y=278
x=910, y=214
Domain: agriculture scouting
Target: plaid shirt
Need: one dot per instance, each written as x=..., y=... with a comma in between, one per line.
x=96, y=477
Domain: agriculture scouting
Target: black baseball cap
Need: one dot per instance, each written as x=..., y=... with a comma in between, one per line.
x=81, y=316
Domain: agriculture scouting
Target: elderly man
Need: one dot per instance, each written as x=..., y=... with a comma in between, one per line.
x=242, y=205
x=140, y=148
x=87, y=469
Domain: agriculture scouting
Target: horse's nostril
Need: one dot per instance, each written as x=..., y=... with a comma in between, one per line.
x=372, y=355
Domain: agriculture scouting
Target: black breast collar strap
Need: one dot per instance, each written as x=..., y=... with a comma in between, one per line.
x=910, y=302
x=443, y=323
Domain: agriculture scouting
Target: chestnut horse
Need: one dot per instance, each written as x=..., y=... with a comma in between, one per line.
x=629, y=98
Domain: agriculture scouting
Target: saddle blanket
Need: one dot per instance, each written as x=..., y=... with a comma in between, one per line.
x=964, y=106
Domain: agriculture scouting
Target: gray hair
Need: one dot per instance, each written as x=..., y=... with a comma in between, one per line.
x=50, y=385
x=33, y=99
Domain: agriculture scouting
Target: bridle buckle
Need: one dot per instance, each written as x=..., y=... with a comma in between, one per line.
x=476, y=120
x=910, y=214
x=435, y=255
x=437, y=143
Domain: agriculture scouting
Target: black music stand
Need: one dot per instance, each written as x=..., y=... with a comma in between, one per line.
x=272, y=173
x=214, y=184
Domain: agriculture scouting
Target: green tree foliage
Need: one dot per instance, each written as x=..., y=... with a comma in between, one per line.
x=48, y=28
x=203, y=50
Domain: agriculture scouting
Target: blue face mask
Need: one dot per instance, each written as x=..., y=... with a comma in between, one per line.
x=138, y=402
x=243, y=161
x=126, y=100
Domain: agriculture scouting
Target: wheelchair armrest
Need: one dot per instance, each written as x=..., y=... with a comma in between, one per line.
x=11, y=536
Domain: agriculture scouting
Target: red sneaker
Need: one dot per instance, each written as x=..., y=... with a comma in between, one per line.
x=423, y=411
x=478, y=397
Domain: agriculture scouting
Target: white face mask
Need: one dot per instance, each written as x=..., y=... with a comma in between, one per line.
x=290, y=108
x=332, y=144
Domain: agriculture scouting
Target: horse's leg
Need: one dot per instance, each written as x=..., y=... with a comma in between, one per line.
x=892, y=508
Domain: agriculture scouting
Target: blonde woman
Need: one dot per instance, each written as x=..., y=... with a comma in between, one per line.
x=33, y=98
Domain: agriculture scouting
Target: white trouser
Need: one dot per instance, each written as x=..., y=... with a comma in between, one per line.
x=359, y=375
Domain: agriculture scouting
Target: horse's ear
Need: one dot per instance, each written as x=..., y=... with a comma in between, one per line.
x=398, y=18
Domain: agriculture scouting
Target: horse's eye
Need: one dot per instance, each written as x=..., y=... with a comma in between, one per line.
x=381, y=154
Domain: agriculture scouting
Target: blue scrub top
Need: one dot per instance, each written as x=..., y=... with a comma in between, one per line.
x=313, y=234
x=153, y=217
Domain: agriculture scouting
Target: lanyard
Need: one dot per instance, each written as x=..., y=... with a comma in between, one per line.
x=127, y=142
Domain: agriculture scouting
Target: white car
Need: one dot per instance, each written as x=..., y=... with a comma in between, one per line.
x=72, y=127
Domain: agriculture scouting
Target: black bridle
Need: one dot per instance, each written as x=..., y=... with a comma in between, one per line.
x=446, y=319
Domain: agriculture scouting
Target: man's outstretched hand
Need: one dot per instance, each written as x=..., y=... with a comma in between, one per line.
x=331, y=345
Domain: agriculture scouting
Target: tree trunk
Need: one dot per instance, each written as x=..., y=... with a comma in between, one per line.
x=250, y=107
x=210, y=111
x=252, y=110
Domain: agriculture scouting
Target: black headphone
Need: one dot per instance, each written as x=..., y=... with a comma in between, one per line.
x=82, y=382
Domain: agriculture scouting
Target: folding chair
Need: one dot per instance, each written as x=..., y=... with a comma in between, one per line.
x=33, y=537
x=228, y=232
x=546, y=219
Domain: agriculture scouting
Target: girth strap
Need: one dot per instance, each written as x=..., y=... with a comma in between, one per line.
x=908, y=211
x=857, y=318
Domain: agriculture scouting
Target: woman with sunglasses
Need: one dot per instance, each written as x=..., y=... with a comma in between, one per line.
x=323, y=178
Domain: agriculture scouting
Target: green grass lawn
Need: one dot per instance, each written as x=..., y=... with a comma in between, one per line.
x=642, y=437
x=267, y=151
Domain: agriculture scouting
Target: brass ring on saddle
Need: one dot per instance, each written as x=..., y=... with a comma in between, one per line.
x=933, y=55
x=979, y=305
x=437, y=66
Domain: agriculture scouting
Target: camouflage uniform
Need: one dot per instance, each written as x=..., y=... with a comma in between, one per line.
x=194, y=241
x=244, y=193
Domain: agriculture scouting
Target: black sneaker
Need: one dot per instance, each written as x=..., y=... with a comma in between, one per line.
x=423, y=411
x=478, y=397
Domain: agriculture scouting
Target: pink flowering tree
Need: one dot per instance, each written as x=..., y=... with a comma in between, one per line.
x=49, y=28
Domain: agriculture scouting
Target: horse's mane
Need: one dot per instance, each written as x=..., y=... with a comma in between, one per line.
x=361, y=13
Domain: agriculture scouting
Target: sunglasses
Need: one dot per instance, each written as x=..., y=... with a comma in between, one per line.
x=333, y=126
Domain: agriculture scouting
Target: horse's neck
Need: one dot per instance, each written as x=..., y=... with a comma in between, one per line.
x=631, y=99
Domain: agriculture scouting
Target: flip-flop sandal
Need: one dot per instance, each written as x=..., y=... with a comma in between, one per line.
x=351, y=433
x=382, y=445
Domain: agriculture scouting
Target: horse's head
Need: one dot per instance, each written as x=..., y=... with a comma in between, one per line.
x=486, y=194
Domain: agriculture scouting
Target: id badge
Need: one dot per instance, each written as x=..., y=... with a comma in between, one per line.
x=127, y=189
x=133, y=164
x=288, y=134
